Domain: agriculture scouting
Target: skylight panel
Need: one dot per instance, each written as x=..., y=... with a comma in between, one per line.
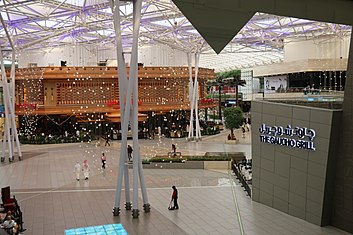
x=92, y=2
x=177, y=20
x=4, y=16
x=106, y=10
x=106, y=32
x=73, y=2
x=47, y=23
x=88, y=37
x=162, y=23
x=127, y=9
x=12, y=16
x=152, y=8
x=193, y=31
x=266, y=22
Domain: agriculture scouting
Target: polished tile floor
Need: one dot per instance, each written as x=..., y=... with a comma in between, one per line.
x=53, y=201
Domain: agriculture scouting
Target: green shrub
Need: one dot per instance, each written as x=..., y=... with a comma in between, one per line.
x=191, y=158
x=166, y=159
x=209, y=158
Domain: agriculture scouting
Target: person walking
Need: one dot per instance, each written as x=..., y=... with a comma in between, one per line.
x=77, y=170
x=175, y=198
x=243, y=130
x=107, y=138
x=129, y=152
x=85, y=169
x=104, y=159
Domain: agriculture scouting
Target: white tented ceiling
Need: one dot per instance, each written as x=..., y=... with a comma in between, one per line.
x=42, y=24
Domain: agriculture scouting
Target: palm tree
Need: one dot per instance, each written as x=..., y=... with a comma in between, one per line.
x=230, y=78
x=218, y=82
x=235, y=81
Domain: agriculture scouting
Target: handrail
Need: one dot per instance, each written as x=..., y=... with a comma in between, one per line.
x=240, y=177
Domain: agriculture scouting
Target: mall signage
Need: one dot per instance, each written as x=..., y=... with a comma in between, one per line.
x=295, y=137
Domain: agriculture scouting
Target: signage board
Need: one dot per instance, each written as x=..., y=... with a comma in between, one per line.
x=295, y=137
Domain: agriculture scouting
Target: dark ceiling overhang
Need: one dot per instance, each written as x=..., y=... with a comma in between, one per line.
x=219, y=21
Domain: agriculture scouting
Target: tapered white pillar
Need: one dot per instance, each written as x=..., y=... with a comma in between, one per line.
x=128, y=95
x=123, y=83
x=191, y=92
x=194, y=99
x=10, y=133
x=15, y=138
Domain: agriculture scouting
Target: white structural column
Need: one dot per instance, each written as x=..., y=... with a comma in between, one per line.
x=123, y=83
x=10, y=133
x=7, y=132
x=194, y=99
x=128, y=95
x=191, y=91
x=196, y=96
x=15, y=138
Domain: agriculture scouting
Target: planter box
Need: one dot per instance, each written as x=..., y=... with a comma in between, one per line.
x=217, y=165
x=175, y=165
x=220, y=165
x=236, y=156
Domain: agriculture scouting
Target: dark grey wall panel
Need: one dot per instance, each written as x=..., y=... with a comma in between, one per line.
x=299, y=163
x=301, y=113
x=282, y=182
x=281, y=193
x=342, y=214
x=299, y=122
x=316, y=169
x=295, y=180
x=318, y=156
x=281, y=205
x=298, y=182
x=282, y=164
x=315, y=195
x=320, y=116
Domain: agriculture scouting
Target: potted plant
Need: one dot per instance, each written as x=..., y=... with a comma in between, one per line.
x=233, y=119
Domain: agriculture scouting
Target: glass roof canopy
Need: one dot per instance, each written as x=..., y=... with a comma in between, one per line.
x=42, y=24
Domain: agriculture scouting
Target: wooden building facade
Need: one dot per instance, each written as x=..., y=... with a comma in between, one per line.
x=82, y=91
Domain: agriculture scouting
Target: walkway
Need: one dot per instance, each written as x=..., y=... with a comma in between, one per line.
x=52, y=200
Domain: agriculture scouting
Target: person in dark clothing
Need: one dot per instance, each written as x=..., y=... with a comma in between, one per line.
x=173, y=148
x=104, y=159
x=129, y=152
x=107, y=138
x=175, y=198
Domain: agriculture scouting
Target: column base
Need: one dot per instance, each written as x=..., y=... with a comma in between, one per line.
x=135, y=213
x=147, y=208
x=116, y=211
x=128, y=206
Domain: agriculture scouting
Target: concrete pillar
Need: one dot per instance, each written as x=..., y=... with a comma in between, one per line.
x=342, y=214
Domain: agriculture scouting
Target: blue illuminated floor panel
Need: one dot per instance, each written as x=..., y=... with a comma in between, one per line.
x=108, y=229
